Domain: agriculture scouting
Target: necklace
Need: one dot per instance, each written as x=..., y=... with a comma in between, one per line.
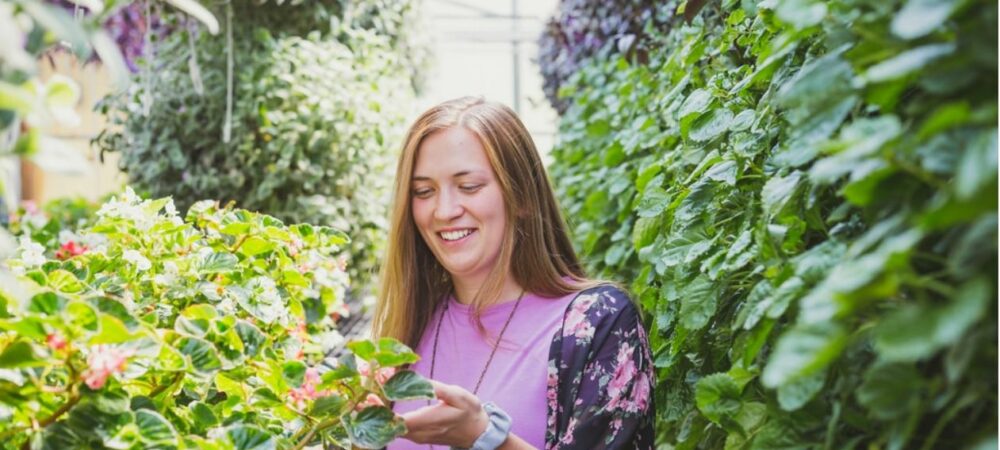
x=437, y=334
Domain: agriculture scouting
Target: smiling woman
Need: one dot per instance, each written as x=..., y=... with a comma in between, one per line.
x=481, y=279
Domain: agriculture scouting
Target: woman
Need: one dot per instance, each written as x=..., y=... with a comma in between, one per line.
x=481, y=280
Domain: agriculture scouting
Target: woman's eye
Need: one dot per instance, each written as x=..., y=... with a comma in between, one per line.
x=422, y=193
x=470, y=187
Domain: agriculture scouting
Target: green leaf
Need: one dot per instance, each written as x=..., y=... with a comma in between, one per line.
x=293, y=372
x=64, y=281
x=717, y=395
x=778, y=191
x=254, y=246
x=48, y=303
x=28, y=327
x=698, y=301
x=154, y=428
x=363, y=348
x=247, y=437
x=860, y=139
x=820, y=81
x=654, y=201
x=977, y=169
x=695, y=104
x=710, y=125
x=801, y=13
x=200, y=311
x=203, y=356
x=802, y=351
x=374, y=427
x=796, y=393
x=392, y=353
x=698, y=199
x=916, y=332
x=408, y=385
x=217, y=262
x=113, y=331
x=920, y=17
x=907, y=62
x=890, y=391
x=330, y=404
x=203, y=415
x=19, y=354
x=253, y=339
x=723, y=172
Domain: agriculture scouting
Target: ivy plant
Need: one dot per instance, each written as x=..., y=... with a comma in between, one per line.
x=205, y=332
x=805, y=196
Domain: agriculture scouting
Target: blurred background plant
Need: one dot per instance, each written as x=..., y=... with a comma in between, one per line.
x=294, y=111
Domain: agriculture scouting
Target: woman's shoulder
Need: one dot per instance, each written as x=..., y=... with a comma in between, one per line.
x=604, y=306
x=602, y=299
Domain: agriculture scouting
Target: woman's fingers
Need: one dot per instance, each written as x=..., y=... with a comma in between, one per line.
x=455, y=395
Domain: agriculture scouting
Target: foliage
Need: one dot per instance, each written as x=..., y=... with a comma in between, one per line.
x=805, y=195
x=316, y=110
x=197, y=333
x=584, y=28
x=52, y=226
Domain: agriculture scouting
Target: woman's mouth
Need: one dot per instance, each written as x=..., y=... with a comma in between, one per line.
x=455, y=235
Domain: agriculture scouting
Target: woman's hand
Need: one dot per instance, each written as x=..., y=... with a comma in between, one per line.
x=457, y=420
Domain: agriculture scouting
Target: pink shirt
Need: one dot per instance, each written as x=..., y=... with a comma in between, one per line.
x=516, y=379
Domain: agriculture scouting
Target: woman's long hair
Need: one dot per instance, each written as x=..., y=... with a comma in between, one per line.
x=535, y=247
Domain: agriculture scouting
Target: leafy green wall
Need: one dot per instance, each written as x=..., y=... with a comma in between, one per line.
x=804, y=197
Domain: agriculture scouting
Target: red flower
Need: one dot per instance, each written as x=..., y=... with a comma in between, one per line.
x=55, y=341
x=70, y=249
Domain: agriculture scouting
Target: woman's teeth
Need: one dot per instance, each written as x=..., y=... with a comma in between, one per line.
x=454, y=235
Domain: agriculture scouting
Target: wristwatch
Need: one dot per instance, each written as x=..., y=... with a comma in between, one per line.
x=496, y=431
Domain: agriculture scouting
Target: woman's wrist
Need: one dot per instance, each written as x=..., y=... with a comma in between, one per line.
x=496, y=431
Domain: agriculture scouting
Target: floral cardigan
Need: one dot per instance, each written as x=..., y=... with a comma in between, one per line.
x=601, y=377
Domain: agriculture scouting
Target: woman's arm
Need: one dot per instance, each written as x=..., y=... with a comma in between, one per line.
x=602, y=378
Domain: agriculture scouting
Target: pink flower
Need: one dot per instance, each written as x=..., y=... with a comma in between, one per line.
x=103, y=361
x=307, y=391
x=576, y=321
x=624, y=375
x=55, y=341
x=383, y=374
x=371, y=400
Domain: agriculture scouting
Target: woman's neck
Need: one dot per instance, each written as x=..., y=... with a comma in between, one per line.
x=466, y=290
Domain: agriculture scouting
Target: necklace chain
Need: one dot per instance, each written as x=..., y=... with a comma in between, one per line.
x=437, y=335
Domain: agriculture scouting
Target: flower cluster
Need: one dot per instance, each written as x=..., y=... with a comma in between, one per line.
x=104, y=361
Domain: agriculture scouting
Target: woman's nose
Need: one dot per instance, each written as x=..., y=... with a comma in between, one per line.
x=448, y=207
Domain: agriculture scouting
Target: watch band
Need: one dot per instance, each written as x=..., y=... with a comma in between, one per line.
x=496, y=431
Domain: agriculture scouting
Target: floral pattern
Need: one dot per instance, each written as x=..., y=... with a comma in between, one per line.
x=601, y=377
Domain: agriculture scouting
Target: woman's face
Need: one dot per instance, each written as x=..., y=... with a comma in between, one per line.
x=457, y=204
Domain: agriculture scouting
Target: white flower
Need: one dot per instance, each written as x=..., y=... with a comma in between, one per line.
x=169, y=275
x=170, y=209
x=136, y=258
x=266, y=290
x=31, y=252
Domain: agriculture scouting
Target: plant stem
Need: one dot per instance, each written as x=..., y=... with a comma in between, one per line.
x=73, y=400
x=159, y=389
x=238, y=243
x=313, y=430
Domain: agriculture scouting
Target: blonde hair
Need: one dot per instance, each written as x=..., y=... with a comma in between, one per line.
x=536, y=247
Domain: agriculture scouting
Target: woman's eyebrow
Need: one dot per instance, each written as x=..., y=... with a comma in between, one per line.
x=458, y=174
